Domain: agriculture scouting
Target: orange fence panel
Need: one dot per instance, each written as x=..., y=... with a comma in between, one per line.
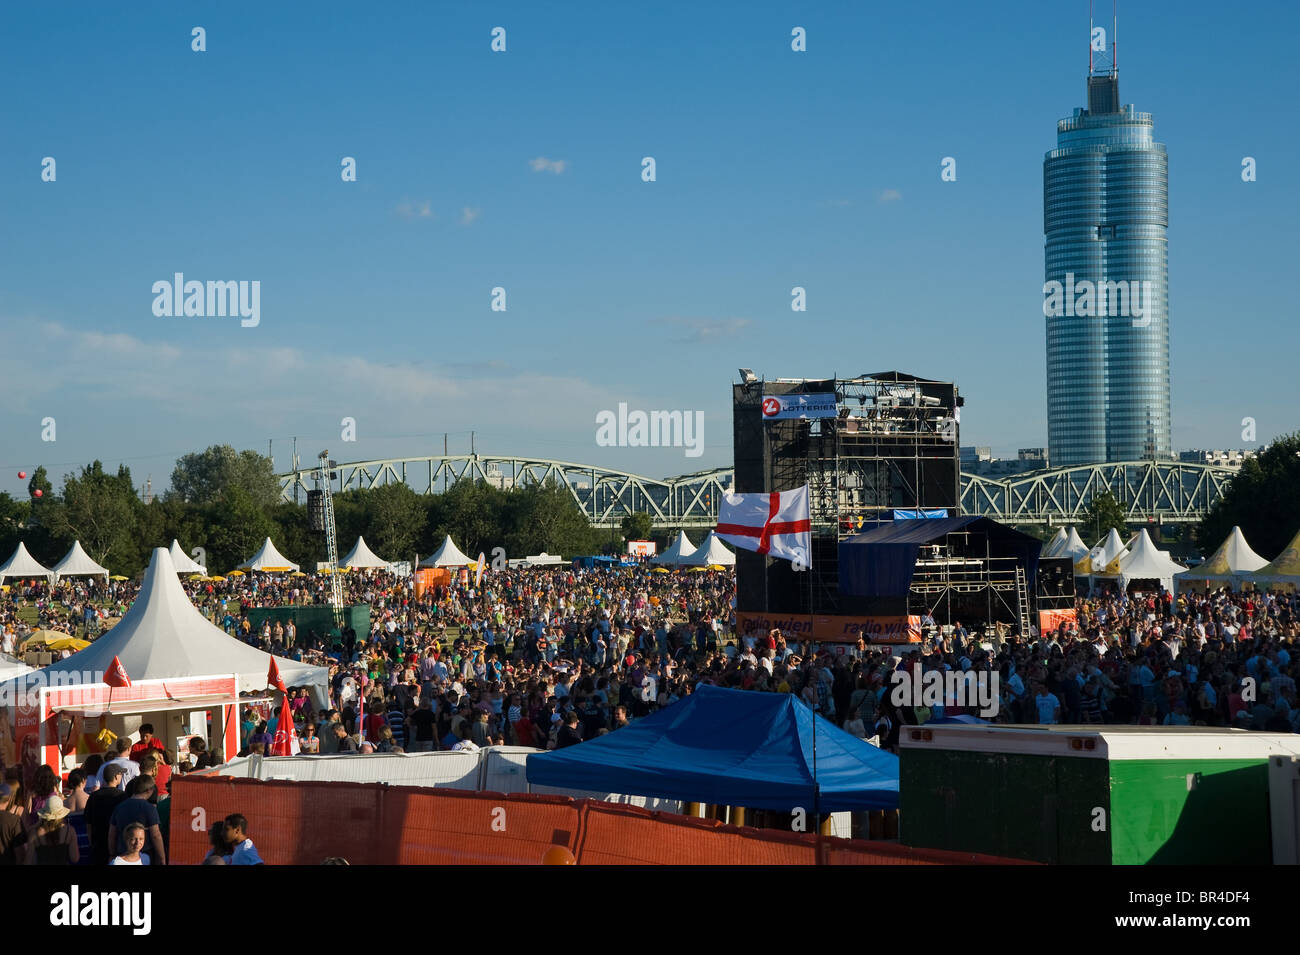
x=303, y=823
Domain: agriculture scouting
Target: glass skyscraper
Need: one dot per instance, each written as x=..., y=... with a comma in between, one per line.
x=1105, y=218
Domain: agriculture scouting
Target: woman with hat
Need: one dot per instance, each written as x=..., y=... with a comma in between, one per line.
x=53, y=842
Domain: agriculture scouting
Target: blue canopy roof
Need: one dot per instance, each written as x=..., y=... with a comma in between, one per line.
x=730, y=748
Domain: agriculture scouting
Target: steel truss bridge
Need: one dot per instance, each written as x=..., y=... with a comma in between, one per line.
x=1163, y=491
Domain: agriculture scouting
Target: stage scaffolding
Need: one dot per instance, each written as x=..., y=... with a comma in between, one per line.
x=893, y=446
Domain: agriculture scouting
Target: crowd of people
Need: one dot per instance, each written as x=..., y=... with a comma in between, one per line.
x=551, y=657
x=113, y=809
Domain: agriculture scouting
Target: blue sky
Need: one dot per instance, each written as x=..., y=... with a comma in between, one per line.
x=522, y=170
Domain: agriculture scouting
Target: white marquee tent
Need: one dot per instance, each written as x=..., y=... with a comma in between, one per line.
x=268, y=559
x=676, y=552
x=1055, y=544
x=23, y=564
x=1074, y=547
x=362, y=557
x=1284, y=570
x=78, y=563
x=711, y=551
x=447, y=555
x=182, y=561
x=11, y=667
x=1101, y=557
x=1146, y=562
x=1232, y=563
x=163, y=636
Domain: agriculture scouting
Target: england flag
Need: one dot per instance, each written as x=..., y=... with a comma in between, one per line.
x=776, y=524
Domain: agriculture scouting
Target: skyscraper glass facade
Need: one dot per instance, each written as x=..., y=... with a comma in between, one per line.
x=1105, y=218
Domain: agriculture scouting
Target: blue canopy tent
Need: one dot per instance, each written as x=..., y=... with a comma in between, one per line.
x=730, y=748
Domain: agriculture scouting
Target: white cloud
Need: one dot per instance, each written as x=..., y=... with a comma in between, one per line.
x=705, y=329
x=542, y=164
x=891, y=195
x=469, y=214
x=415, y=209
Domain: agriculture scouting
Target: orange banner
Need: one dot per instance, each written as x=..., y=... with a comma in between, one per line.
x=1049, y=620
x=834, y=629
x=429, y=578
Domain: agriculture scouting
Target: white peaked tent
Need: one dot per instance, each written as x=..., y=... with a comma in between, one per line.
x=1055, y=544
x=1230, y=564
x=1283, y=570
x=77, y=563
x=163, y=636
x=1146, y=562
x=362, y=557
x=676, y=552
x=1107, y=550
x=447, y=555
x=182, y=561
x=711, y=551
x=11, y=667
x=1073, y=547
x=268, y=559
x=23, y=564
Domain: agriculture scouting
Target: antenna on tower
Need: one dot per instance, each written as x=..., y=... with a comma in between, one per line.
x=1103, y=57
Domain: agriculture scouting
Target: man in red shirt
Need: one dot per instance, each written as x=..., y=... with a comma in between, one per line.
x=147, y=742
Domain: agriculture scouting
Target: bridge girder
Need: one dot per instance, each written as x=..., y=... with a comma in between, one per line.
x=1168, y=491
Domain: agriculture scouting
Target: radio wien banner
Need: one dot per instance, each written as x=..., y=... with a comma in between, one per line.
x=775, y=524
x=827, y=628
x=783, y=407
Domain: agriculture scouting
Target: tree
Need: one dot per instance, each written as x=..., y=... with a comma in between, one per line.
x=394, y=520
x=43, y=535
x=545, y=517
x=1103, y=513
x=203, y=477
x=100, y=510
x=1263, y=498
x=235, y=528
x=471, y=512
x=636, y=527
x=13, y=519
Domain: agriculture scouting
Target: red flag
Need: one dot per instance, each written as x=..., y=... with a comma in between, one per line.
x=116, y=675
x=285, y=741
x=273, y=678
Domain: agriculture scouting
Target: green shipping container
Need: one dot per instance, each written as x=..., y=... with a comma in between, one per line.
x=311, y=617
x=1090, y=794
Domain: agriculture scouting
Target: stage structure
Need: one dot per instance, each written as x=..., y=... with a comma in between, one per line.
x=884, y=443
x=968, y=569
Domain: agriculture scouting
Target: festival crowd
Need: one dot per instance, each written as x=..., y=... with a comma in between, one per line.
x=550, y=657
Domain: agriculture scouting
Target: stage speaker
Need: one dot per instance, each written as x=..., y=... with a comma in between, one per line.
x=316, y=510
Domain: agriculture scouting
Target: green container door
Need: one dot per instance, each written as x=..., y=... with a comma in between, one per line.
x=1039, y=808
x=1222, y=819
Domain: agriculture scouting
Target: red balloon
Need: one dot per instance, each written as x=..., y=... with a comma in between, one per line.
x=22, y=475
x=38, y=493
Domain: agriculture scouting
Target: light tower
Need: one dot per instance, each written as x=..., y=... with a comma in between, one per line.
x=331, y=536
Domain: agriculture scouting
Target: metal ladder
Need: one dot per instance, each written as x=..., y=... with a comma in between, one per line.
x=1022, y=602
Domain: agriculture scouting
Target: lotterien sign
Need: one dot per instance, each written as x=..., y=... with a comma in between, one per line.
x=779, y=407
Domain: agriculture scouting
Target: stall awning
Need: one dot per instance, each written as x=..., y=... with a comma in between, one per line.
x=118, y=708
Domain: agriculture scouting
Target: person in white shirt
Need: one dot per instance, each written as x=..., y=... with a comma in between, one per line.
x=134, y=838
x=130, y=768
